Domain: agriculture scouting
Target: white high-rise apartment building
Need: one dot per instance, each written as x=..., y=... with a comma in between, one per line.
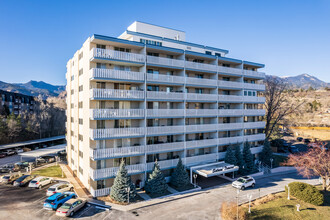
x=150, y=95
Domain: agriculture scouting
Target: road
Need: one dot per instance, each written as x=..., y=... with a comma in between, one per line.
x=10, y=159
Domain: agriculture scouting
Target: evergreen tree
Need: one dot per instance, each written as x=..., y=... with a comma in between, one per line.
x=230, y=157
x=239, y=158
x=248, y=159
x=266, y=154
x=121, y=183
x=180, y=177
x=156, y=183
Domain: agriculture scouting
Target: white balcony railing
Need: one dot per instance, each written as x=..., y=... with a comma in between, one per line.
x=254, y=112
x=230, y=84
x=251, y=73
x=201, y=143
x=201, y=112
x=164, y=164
x=116, y=93
x=252, y=125
x=154, y=148
x=231, y=112
x=197, y=97
x=256, y=150
x=254, y=99
x=116, y=152
x=201, y=66
x=254, y=86
x=159, y=130
x=165, y=61
x=254, y=137
x=165, y=78
x=116, y=74
x=201, y=82
x=116, y=132
x=111, y=172
x=165, y=95
x=200, y=158
x=230, y=70
x=116, y=113
x=230, y=140
x=165, y=113
x=201, y=128
x=230, y=126
x=117, y=55
x=230, y=98
x=100, y=192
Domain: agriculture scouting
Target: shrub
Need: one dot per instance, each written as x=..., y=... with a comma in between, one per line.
x=306, y=193
x=228, y=211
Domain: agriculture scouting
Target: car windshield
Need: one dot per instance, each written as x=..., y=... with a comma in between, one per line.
x=22, y=178
x=241, y=180
x=34, y=181
x=6, y=177
x=51, y=189
x=49, y=201
x=66, y=205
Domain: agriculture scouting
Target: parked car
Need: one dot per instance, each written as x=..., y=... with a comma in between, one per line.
x=55, y=201
x=19, y=150
x=244, y=182
x=293, y=149
x=49, y=159
x=23, y=180
x=59, y=188
x=24, y=164
x=300, y=139
x=9, y=168
x=9, y=152
x=70, y=207
x=2, y=155
x=40, y=181
x=307, y=140
x=10, y=178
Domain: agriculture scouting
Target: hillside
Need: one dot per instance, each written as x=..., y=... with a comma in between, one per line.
x=303, y=81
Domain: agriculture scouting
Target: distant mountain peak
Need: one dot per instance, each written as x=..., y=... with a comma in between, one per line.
x=304, y=81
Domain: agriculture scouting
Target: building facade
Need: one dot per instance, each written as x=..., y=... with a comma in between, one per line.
x=12, y=102
x=149, y=95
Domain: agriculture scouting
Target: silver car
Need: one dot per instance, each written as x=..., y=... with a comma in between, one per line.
x=59, y=188
x=40, y=181
x=70, y=207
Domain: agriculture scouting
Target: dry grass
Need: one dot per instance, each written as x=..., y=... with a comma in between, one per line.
x=323, y=135
x=228, y=211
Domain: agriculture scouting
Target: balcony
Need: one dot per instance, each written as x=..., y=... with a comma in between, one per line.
x=201, y=97
x=201, y=112
x=230, y=112
x=254, y=74
x=97, y=174
x=254, y=112
x=230, y=70
x=178, y=96
x=230, y=126
x=120, y=75
x=165, y=147
x=254, y=99
x=116, y=94
x=230, y=140
x=162, y=61
x=200, y=159
x=201, y=66
x=108, y=133
x=256, y=150
x=201, y=82
x=230, y=98
x=165, y=79
x=253, y=125
x=101, y=154
x=165, y=113
x=103, y=114
x=117, y=55
x=260, y=87
x=230, y=84
x=100, y=192
x=162, y=130
x=254, y=137
x=164, y=164
x=201, y=143
x=201, y=128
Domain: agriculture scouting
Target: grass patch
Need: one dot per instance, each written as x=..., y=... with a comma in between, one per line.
x=281, y=208
x=53, y=171
x=181, y=189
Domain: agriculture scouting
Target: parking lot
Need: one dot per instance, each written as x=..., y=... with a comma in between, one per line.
x=27, y=203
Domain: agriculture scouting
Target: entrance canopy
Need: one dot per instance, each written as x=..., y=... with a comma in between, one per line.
x=44, y=151
x=213, y=169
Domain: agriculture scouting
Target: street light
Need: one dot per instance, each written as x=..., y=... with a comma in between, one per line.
x=128, y=189
x=195, y=177
x=271, y=163
x=249, y=196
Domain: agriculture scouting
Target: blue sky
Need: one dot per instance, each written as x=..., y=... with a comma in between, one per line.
x=290, y=37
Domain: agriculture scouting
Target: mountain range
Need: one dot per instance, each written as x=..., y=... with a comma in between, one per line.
x=36, y=88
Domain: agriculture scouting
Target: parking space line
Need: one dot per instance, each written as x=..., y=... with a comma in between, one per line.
x=84, y=211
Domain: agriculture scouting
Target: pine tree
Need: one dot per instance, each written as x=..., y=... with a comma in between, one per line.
x=266, y=154
x=230, y=156
x=121, y=183
x=248, y=159
x=180, y=177
x=156, y=183
x=239, y=158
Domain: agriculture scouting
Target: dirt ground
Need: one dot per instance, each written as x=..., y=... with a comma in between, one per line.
x=323, y=135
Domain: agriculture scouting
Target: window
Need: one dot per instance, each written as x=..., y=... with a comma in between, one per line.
x=170, y=56
x=72, y=119
x=80, y=104
x=100, y=46
x=198, y=61
x=81, y=138
x=226, y=65
x=72, y=105
x=72, y=161
x=245, y=93
x=81, y=71
x=72, y=147
x=72, y=133
x=208, y=52
x=152, y=42
x=100, y=85
x=81, y=88
x=100, y=124
x=217, y=54
x=81, y=55
x=122, y=49
x=72, y=77
x=81, y=170
x=72, y=91
x=80, y=121
x=81, y=154
x=153, y=54
x=225, y=78
x=101, y=65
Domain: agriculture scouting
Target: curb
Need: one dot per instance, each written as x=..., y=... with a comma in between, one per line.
x=105, y=207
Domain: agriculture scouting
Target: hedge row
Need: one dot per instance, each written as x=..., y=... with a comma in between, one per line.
x=306, y=193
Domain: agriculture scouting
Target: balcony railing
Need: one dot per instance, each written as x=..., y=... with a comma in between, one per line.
x=97, y=154
x=230, y=70
x=200, y=158
x=165, y=95
x=201, y=82
x=100, y=192
x=254, y=99
x=116, y=74
x=251, y=73
x=230, y=98
x=254, y=86
x=111, y=172
x=154, y=148
x=231, y=112
x=165, y=113
x=254, y=112
x=116, y=94
x=116, y=113
x=201, y=112
x=230, y=126
x=197, y=97
x=165, y=78
x=117, y=55
x=256, y=150
x=201, y=66
x=164, y=164
x=165, y=61
x=201, y=143
x=230, y=84
x=160, y=130
x=252, y=125
x=254, y=137
x=116, y=132
x=230, y=140
x=201, y=128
